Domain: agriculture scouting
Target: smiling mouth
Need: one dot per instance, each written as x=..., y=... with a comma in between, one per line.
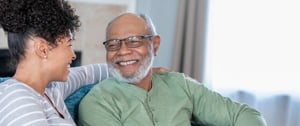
x=69, y=65
x=125, y=63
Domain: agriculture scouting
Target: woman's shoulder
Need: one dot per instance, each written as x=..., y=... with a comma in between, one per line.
x=13, y=88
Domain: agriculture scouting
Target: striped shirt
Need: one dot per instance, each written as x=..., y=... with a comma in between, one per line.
x=20, y=105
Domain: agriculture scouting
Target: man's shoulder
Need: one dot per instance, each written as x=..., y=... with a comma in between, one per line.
x=174, y=78
x=107, y=83
x=170, y=76
x=105, y=87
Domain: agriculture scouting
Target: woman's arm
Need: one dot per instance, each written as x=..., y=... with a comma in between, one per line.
x=80, y=76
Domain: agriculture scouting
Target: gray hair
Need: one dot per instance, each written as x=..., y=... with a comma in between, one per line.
x=146, y=18
x=149, y=23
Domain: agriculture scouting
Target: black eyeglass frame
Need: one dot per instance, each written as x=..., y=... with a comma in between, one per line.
x=126, y=41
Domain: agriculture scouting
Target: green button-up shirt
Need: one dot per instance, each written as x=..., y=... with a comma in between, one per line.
x=174, y=100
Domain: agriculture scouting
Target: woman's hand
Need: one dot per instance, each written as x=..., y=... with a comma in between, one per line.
x=160, y=70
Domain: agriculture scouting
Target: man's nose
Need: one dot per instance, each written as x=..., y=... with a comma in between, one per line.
x=124, y=49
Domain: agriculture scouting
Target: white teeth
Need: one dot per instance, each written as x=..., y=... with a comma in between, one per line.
x=127, y=63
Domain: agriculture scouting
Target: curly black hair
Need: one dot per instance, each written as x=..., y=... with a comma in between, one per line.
x=48, y=19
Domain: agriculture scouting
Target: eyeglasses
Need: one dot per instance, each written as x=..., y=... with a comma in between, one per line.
x=130, y=42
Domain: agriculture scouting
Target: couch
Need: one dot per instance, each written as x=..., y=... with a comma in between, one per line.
x=72, y=102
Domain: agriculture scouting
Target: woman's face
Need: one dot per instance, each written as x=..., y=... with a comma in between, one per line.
x=60, y=58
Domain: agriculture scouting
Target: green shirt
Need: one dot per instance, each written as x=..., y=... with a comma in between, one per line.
x=172, y=101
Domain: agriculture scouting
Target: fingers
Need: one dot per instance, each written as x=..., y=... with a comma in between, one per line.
x=160, y=70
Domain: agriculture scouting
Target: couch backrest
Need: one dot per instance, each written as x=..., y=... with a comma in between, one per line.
x=2, y=79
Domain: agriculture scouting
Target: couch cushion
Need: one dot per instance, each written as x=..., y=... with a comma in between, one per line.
x=2, y=79
x=72, y=102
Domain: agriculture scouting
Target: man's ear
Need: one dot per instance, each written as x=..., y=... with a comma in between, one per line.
x=41, y=48
x=156, y=44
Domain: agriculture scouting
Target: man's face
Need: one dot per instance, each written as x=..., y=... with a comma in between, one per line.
x=127, y=63
x=131, y=70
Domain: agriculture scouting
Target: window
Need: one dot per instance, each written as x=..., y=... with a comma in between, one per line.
x=254, y=45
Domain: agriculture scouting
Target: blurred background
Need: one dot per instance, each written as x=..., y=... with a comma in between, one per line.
x=246, y=50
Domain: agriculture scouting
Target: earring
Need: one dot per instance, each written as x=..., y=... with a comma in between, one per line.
x=45, y=57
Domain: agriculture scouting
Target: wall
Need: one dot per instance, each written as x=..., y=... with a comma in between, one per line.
x=95, y=14
x=3, y=40
x=163, y=14
x=94, y=17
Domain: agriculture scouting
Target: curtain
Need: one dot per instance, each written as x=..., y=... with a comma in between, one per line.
x=254, y=51
x=278, y=109
x=189, y=48
x=195, y=44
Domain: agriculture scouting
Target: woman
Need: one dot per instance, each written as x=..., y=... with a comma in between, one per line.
x=39, y=39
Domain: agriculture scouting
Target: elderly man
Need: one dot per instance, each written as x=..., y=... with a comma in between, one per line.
x=137, y=97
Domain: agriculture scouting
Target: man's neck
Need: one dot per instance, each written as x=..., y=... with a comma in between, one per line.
x=146, y=83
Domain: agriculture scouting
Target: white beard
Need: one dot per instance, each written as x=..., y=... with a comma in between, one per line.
x=140, y=74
